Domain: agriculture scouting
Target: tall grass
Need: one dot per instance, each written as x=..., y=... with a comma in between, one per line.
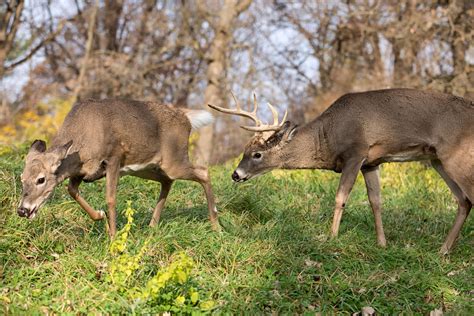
x=273, y=254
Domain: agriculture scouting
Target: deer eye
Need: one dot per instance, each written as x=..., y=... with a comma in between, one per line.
x=257, y=155
x=40, y=180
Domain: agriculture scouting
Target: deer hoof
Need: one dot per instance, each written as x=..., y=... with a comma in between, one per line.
x=382, y=243
x=444, y=251
x=101, y=215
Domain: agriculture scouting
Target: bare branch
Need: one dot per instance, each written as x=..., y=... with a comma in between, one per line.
x=33, y=51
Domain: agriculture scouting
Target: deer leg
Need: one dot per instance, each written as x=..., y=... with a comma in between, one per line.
x=348, y=177
x=73, y=189
x=464, y=207
x=200, y=175
x=372, y=183
x=165, y=189
x=112, y=177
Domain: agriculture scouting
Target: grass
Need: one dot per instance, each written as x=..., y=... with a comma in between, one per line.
x=273, y=254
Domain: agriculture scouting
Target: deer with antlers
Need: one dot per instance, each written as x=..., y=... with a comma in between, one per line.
x=360, y=131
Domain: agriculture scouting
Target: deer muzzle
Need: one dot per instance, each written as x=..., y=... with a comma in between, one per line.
x=239, y=176
x=27, y=212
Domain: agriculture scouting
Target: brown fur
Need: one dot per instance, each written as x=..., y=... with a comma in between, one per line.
x=107, y=138
x=362, y=130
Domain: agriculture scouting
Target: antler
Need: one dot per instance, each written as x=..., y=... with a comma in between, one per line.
x=259, y=126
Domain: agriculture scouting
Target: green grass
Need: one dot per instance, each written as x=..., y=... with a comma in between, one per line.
x=272, y=255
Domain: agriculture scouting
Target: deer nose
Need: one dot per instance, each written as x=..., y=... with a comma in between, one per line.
x=235, y=176
x=23, y=212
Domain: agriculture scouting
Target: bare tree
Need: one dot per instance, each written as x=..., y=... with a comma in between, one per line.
x=85, y=60
x=222, y=23
x=10, y=15
x=13, y=53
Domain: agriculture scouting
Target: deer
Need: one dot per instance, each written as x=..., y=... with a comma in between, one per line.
x=112, y=138
x=359, y=132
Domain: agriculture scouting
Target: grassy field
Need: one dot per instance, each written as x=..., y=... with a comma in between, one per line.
x=273, y=254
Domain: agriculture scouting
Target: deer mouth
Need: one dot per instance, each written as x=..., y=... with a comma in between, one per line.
x=240, y=176
x=28, y=213
x=32, y=213
x=241, y=180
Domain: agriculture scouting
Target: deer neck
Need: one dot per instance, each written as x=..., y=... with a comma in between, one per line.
x=309, y=149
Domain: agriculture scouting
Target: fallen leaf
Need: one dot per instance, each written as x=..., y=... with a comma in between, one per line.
x=368, y=311
x=313, y=264
x=436, y=312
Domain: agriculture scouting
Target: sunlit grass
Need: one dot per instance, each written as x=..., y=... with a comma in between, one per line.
x=272, y=255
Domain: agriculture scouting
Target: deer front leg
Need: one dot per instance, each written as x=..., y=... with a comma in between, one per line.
x=372, y=183
x=165, y=189
x=348, y=177
x=112, y=177
x=73, y=189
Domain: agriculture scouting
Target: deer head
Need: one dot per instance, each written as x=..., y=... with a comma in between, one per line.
x=265, y=151
x=40, y=176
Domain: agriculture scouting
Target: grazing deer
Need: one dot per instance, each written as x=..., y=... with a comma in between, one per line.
x=360, y=131
x=110, y=138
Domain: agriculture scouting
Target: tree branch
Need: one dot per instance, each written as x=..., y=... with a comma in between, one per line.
x=36, y=48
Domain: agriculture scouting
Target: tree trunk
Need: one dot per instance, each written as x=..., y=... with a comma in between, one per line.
x=216, y=71
x=112, y=12
x=9, y=23
x=85, y=60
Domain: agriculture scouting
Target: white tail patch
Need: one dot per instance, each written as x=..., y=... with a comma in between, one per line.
x=199, y=118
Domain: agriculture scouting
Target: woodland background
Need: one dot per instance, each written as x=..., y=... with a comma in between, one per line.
x=300, y=55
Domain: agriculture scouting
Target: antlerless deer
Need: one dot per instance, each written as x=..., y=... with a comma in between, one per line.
x=360, y=131
x=110, y=138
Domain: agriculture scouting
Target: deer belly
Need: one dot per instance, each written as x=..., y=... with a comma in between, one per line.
x=151, y=171
x=413, y=153
x=137, y=168
x=402, y=157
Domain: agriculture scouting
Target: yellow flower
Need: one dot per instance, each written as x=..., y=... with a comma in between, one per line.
x=179, y=300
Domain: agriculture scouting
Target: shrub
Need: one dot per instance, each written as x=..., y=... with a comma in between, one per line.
x=172, y=289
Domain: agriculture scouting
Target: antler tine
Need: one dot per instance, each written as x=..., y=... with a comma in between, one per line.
x=274, y=114
x=259, y=126
x=284, y=117
x=238, y=111
x=237, y=104
x=255, y=104
x=267, y=127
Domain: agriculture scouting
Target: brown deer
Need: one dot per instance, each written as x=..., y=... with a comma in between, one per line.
x=360, y=131
x=110, y=138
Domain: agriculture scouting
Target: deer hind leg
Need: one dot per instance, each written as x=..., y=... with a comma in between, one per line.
x=200, y=175
x=372, y=182
x=464, y=206
x=112, y=177
x=348, y=177
x=165, y=189
x=73, y=189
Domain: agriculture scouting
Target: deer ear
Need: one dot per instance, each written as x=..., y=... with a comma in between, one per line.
x=292, y=132
x=38, y=146
x=283, y=130
x=63, y=151
x=59, y=154
x=287, y=131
